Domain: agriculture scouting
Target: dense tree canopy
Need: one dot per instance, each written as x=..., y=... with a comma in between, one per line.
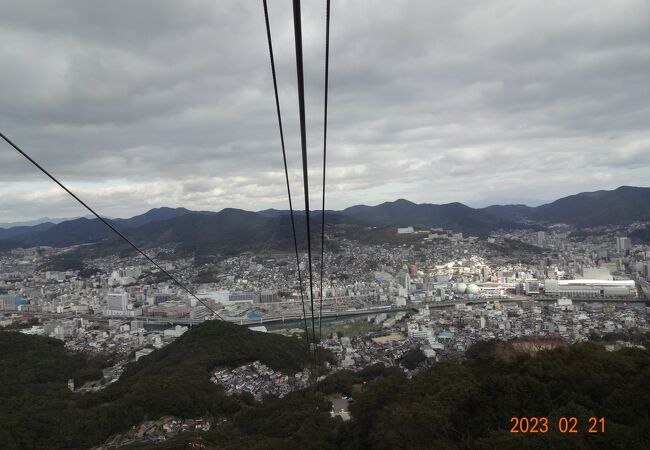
x=38, y=410
x=463, y=405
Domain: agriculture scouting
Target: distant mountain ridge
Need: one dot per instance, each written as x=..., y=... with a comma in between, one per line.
x=30, y=223
x=82, y=230
x=402, y=213
x=239, y=230
x=623, y=205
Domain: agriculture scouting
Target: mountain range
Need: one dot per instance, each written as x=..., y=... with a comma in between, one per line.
x=238, y=230
x=621, y=206
x=29, y=223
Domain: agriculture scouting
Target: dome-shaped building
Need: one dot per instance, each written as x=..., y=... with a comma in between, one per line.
x=472, y=289
x=461, y=288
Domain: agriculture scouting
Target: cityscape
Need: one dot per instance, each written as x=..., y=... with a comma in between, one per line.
x=324, y=225
x=405, y=297
x=429, y=290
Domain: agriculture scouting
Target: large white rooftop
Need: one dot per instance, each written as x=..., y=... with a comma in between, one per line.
x=598, y=282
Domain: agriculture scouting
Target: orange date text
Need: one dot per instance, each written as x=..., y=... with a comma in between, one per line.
x=562, y=425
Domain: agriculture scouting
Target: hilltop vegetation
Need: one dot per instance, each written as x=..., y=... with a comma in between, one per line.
x=513, y=250
x=39, y=411
x=34, y=396
x=28, y=361
x=453, y=405
x=457, y=405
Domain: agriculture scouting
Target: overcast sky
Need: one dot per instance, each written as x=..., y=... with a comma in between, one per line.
x=140, y=104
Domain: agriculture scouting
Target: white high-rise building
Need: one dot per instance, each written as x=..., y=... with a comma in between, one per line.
x=117, y=301
x=404, y=279
x=117, y=304
x=622, y=244
x=597, y=273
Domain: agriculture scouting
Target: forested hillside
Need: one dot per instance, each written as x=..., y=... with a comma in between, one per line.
x=464, y=405
x=37, y=410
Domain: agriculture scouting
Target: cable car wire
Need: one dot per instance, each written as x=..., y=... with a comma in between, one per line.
x=322, y=233
x=284, y=159
x=297, y=27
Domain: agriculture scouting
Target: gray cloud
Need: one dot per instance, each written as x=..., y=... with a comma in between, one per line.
x=143, y=104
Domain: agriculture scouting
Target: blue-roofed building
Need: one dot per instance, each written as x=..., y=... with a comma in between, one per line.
x=445, y=335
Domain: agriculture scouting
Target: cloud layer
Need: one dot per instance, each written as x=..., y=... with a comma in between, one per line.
x=144, y=104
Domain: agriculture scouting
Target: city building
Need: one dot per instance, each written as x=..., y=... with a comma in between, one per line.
x=169, y=309
x=117, y=304
x=597, y=273
x=531, y=286
x=160, y=297
x=269, y=296
x=229, y=298
x=623, y=244
x=10, y=302
x=587, y=288
x=404, y=280
x=117, y=301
